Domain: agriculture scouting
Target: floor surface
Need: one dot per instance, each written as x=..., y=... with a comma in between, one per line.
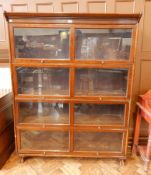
x=72, y=166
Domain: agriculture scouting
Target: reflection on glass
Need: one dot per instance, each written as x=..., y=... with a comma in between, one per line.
x=41, y=43
x=42, y=112
x=45, y=140
x=101, y=82
x=43, y=81
x=96, y=141
x=97, y=114
x=105, y=44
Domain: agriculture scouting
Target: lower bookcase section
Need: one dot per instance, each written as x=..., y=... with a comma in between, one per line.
x=71, y=143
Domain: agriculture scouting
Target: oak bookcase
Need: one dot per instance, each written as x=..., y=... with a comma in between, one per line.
x=72, y=77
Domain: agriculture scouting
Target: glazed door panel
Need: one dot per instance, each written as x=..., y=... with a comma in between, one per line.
x=35, y=140
x=99, y=114
x=44, y=43
x=100, y=82
x=103, y=44
x=98, y=141
x=43, y=81
x=44, y=113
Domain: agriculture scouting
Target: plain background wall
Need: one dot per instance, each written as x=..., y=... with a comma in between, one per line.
x=5, y=79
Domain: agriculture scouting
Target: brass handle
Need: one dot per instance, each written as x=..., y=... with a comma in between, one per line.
x=100, y=98
x=99, y=127
x=102, y=62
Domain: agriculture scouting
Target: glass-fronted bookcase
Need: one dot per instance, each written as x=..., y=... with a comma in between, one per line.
x=72, y=77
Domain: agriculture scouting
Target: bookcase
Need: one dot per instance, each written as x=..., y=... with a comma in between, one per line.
x=72, y=77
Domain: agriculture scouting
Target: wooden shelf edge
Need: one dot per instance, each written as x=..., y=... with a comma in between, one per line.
x=135, y=16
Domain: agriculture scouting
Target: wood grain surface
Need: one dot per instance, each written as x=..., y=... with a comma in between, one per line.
x=72, y=166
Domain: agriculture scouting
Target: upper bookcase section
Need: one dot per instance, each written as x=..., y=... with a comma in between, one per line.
x=80, y=18
x=72, y=37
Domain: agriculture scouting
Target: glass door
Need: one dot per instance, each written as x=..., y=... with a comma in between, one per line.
x=43, y=81
x=98, y=141
x=42, y=43
x=42, y=140
x=99, y=114
x=103, y=44
x=98, y=81
x=44, y=113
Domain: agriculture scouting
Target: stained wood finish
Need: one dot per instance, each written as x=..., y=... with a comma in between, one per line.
x=71, y=132
x=6, y=127
x=72, y=15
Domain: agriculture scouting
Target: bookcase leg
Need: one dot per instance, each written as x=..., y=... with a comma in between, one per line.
x=122, y=162
x=22, y=159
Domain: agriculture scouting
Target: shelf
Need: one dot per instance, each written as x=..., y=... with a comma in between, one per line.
x=51, y=92
x=100, y=93
x=99, y=119
x=51, y=119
